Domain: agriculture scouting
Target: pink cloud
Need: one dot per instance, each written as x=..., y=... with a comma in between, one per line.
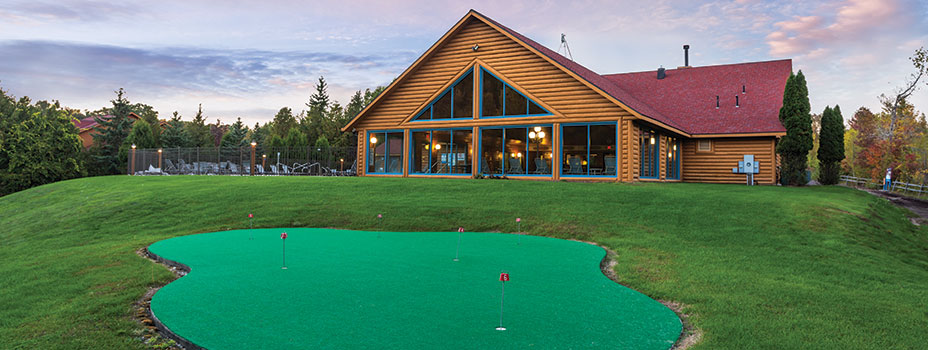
x=852, y=20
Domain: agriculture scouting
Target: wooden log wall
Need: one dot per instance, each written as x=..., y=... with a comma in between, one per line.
x=715, y=166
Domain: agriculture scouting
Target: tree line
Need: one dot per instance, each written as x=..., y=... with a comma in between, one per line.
x=39, y=143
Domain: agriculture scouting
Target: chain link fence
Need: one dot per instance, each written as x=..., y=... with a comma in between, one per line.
x=331, y=161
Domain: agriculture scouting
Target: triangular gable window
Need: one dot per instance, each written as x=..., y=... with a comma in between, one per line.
x=456, y=102
x=502, y=100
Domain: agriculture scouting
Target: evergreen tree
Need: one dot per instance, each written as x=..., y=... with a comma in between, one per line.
x=110, y=136
x=355, y=105
x=319, y=101
x=260, y=134
x=831, y=146
x=322, y=142
x=235, y=137
x=277, y=142
x=283, y=122
x=795, y=117
x=199, y=131
x=175, y=134
x=141, y=135
x=295, y=138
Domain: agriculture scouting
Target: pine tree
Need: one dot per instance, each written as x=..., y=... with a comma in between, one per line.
x=110, y=136
x=175, y=134
x=235, y=137
x=319, y=101
x=795, y=117
x=141, y=135
x=295, y=138
x=199, y=131
x=283, y=122
x=831, y=146
x=355, y=105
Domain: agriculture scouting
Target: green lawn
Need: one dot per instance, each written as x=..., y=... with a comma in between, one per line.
x=401, y=290
x=760, y=268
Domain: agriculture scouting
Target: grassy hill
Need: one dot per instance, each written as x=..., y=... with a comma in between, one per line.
x=761, y=267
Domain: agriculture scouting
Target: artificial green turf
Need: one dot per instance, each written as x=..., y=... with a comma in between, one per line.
x=351, y=289
x=756, y=267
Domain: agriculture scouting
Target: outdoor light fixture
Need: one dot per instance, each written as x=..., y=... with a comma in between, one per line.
x=133, y=146
x=159, y=150
x=669, y=154
x=373, y=139
x=674, y=147
x=264, y=156
x=652, y=140
x=253, y=143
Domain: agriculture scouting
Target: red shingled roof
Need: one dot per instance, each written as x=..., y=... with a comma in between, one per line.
x=685, y=98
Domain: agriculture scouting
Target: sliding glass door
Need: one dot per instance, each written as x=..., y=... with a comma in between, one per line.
x=446, y=151
x=589, y=150
x=522, y=150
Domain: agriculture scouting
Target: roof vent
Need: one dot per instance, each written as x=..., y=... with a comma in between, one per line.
x=716, y=101
x=737, y=102
x=661, y=73
x=686, y=55
x=744, y=89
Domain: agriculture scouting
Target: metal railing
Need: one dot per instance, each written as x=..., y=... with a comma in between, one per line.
x=284, y=161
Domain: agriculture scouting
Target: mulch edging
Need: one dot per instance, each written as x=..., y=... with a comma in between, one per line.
x=179, y=270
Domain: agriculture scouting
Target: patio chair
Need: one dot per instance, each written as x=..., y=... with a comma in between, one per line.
x=515, y=166
x=541, y=166
x=169, y=166
x=353, y=170
x=576, y=166
x=610, y=166
x=484, y=166
x=259, y=169
x=233, y=169
x=285, y=170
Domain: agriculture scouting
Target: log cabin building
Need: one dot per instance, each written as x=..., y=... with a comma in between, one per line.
x=485, y=99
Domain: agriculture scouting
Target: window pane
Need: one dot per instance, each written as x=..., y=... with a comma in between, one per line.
x=491, y=151
x=442, y=108
x=515, y=151
x=395, y=152
x=602, y=150
x=420, y=152
x=441, y=152
x=648, y=154
x=461, y=153
x=539, y=150
x=515, y=102
x=534, y=109
x=464, y=97
x=492, y=96
x=377, y=149
x=575, y=162
x=425, y=115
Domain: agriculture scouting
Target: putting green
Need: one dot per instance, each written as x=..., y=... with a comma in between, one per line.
x=351, y=289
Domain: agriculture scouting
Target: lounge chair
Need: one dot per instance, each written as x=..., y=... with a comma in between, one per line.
x=576, y=165
x=169, y=167
x=274, y=170
x=541, y=166
x=233, y=169
x=515, y=166
x=610, y=166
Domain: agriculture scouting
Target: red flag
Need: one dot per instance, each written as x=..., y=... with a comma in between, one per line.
x=250, y=216
x=283, y=235
x=504, y=277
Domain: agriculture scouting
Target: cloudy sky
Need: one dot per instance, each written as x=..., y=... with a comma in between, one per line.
x=249, y=58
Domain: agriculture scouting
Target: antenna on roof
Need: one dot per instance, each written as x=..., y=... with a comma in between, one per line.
x=565, y=47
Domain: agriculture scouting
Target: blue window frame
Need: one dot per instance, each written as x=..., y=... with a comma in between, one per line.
x=672, y=162
x=649, y=157
x=524, y=150
x=500, y=100
x=441, y=151
x=385, y=152
x=456, y=102
x=589, y=149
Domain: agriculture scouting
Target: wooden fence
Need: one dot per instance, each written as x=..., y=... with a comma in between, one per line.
x=898, y=186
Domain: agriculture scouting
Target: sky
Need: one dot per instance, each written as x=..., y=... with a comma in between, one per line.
x=250, y=58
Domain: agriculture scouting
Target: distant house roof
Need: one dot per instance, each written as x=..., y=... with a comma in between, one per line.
x=90, y=123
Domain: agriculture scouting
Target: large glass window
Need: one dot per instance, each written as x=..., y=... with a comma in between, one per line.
x=672, y=162
x=441, y=152
x=649, y=157
x=499, y=99
x=523, y=150
x=589, y=150
x=385, y=152
x=455, y=102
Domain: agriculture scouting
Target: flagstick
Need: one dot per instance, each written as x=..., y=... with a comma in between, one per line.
x=284, y=255
x=458, y=248
x=519, y=231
